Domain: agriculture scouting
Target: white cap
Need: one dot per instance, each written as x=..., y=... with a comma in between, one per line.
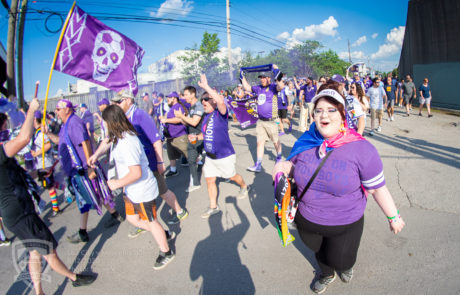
x=331, y=93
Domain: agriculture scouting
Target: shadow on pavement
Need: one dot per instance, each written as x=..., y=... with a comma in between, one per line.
x=216, y=259
x=435, y=152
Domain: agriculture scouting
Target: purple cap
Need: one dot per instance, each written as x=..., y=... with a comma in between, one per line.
x=145, y=94
x=103, y=101
x=39, y=115
x=338, y=78
x=173, y=94
x=64, y=103
x=161, y=95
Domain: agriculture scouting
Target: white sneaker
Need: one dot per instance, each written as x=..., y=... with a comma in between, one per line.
x=392, y=118
x=379, y=129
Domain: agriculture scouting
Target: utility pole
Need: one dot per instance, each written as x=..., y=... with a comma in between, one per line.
x=229, y=42
x=20, y=43
x=10, y=73
x=349, y=53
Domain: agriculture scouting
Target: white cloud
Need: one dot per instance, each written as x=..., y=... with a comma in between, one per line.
x=361, y=40
x=355, y=55
x=392, y=45
x=182, y=7
x=327, y=28
x=283, y=36
x=374, y=35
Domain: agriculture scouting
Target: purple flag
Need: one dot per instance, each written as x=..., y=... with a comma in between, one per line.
x=245, y=111
x=95, y=52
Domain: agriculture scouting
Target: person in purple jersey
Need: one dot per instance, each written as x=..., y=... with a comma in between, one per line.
x=307, y=92
x=18, y=212
x=220, y=155
x=74, y=137
x=87, y=117
x=267, y=108
x=283, y=104
x=151, y=142
x=175, y=132
x=330, y=216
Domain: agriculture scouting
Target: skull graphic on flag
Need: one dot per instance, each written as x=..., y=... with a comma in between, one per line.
x=92, y=51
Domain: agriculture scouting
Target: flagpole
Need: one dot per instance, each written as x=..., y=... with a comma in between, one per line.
x=64, y=28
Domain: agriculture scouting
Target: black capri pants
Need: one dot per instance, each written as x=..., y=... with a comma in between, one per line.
x=335, y=247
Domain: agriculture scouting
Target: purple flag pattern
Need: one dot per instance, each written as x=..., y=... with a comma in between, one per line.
x=245, y=111
x=94, y=52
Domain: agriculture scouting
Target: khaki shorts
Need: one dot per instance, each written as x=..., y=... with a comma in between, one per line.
x=162, y=186
x=376, y=113
x=424, y=100
x=176, y=147
x=224, y=167
x=266, y=130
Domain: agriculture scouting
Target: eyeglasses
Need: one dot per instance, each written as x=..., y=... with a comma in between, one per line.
x=327, y=111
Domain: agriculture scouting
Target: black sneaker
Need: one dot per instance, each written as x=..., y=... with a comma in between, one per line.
x=170, y=173
x=78, y=238
x=163, y=259
x=321, y=284
x=83, y=280
x=113, y=221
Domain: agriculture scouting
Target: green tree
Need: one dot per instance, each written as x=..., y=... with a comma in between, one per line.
x=204, y=60
x=328, y=63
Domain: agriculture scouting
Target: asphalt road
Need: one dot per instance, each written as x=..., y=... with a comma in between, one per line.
x=239, y=252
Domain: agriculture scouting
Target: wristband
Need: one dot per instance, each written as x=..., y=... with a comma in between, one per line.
x=393, y=218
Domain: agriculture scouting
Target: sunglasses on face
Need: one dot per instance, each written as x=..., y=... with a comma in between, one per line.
x=206, y=99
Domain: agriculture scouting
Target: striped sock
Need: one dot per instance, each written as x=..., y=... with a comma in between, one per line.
x=53, y=198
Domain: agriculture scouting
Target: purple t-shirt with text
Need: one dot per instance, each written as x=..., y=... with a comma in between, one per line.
x=309, y=92
x=176, y=130
x=266, y=99
x=215, y=134
x=77, y=133
x=147, y=133
x=335, y=196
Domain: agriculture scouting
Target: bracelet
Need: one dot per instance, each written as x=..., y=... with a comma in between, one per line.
x=393, y=218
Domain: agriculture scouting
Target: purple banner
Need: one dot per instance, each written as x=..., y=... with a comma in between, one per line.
x=95, y=52
x=245, y=111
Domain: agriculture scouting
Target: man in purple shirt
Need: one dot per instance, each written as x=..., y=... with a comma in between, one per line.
x=267, y=125
x=307, y=92
x=74, y=150
x=87, y=118
x=175, y=132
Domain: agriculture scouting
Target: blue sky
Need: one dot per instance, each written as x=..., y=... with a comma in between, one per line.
x=375, y=31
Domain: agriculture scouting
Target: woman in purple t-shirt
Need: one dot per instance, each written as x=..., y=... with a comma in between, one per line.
x=330, y=216
x=220, y=155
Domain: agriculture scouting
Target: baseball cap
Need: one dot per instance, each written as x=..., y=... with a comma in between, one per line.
x=64, y=103
x=126, y=93
x=338, y=78
x=38, y=115
x=173, y=94
x=161, y=95
x=330, y=93
x=103, y=101
x=145, y=94
x=83, y=105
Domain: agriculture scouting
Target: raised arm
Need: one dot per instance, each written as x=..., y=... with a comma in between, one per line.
x=13, y=146
x=219, y=99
